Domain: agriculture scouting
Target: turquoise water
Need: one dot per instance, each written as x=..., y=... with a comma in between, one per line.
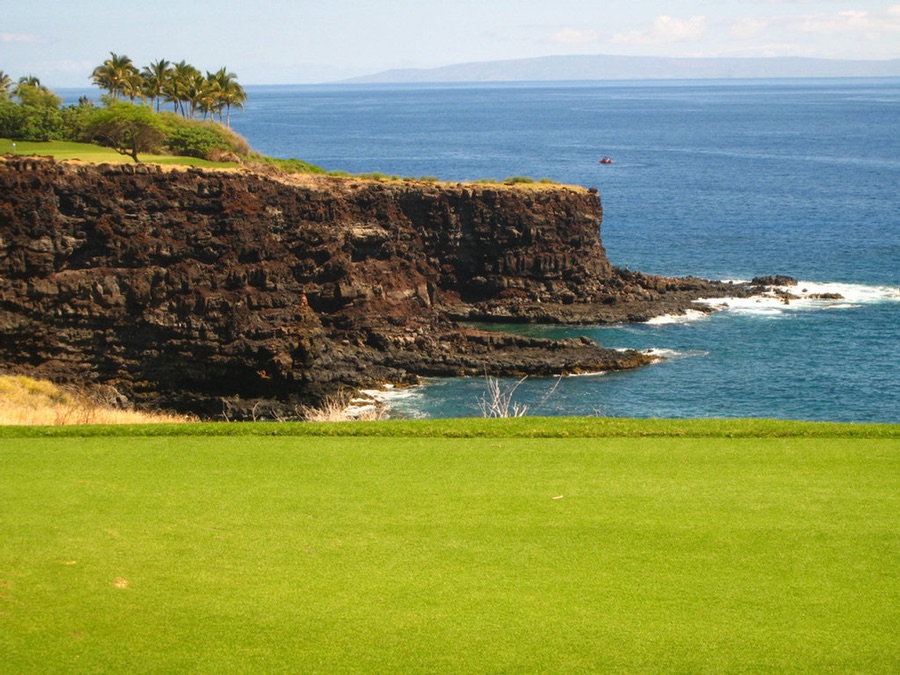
x=725, y=180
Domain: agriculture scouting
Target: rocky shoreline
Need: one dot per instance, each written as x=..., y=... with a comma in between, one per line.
x=242, y=295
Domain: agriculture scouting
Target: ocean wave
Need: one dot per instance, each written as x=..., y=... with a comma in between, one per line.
x=387, y=392
x=668, y=319
x=663, y=354
x=805, y=296
x=371, y=401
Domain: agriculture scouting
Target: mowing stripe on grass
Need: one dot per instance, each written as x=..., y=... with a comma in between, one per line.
x=255, y=553
x=522, y=427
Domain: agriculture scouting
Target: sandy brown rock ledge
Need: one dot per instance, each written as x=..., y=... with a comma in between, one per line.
x=227, y=292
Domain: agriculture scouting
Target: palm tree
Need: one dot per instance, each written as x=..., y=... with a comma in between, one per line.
x=180, y=77
x=154, y=77
x=229, y=92
x=6, y=85
x=29, y=81
x=28, y=89
x=212, y=99
x=116, y=75
x=200, y=95
x=133, y=86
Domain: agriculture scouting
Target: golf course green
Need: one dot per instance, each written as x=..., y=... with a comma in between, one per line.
x=89, y=152
x=463, y=546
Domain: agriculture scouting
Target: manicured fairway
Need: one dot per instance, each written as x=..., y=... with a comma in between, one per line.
x=88, y=152
x=431, y=554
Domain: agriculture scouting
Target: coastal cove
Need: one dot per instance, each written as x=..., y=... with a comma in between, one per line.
x=725, y=180
x=246, y=294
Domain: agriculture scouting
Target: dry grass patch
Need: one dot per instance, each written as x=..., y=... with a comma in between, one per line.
x=29, y=402
x=344, y=409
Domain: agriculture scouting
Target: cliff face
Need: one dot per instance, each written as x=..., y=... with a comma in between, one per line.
x=187, y=288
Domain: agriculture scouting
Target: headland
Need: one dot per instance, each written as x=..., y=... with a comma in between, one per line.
x=249, y=293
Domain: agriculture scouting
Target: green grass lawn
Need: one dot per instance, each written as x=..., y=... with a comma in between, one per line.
x=88, y=152
x=461, y=546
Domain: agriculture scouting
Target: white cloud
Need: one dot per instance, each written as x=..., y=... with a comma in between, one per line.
x=665, y=30
x=70, y=66
x=20, y=38
x=825, y=34
x=748, y=28
x=574, y=36
x=852, y=22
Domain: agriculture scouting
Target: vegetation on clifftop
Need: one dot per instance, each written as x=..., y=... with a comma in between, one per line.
x=197, y=126
x=190, y=92
x=132, y=121
x=26, y=401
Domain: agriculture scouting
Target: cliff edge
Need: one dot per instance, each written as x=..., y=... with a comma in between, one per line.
x=220, y=291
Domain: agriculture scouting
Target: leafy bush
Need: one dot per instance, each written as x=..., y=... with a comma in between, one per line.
x=30, y=122
x=10, y=120
x=203, y=139
x=194, y=141
x=287, y=165
x=128, y=129
x=75, y=121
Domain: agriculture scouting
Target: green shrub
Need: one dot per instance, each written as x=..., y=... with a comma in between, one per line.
x=10, y=120
x=128, y=129
x=36, y=122
x=75, y=121
x=194, y=141
x=287, y=165
x=203, y=139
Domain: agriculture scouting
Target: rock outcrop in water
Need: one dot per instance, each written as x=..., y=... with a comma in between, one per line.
x=224, y=292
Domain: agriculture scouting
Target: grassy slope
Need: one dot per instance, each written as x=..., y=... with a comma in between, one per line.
x=523, y=427
x=87, y=152
x=480, y=549
x=26, y=401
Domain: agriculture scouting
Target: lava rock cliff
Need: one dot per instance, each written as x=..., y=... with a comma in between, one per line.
x=216, y=292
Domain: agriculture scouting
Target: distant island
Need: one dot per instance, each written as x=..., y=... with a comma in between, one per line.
x=606, y=67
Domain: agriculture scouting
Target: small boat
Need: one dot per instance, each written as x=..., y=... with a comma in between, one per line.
x=606, y=160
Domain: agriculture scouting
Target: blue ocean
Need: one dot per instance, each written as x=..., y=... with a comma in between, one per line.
x=723, y=179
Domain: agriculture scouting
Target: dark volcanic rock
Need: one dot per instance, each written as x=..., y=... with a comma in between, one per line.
x=774, y=280
x=218, y=292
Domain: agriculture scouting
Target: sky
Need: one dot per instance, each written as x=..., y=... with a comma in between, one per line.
x=314, y=41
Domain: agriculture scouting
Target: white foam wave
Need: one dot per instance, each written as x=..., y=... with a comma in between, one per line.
x=370, y=401
x=806, y=295
x=668, y=319
x=661, y=353
x=388, y=392
x=852, y=293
